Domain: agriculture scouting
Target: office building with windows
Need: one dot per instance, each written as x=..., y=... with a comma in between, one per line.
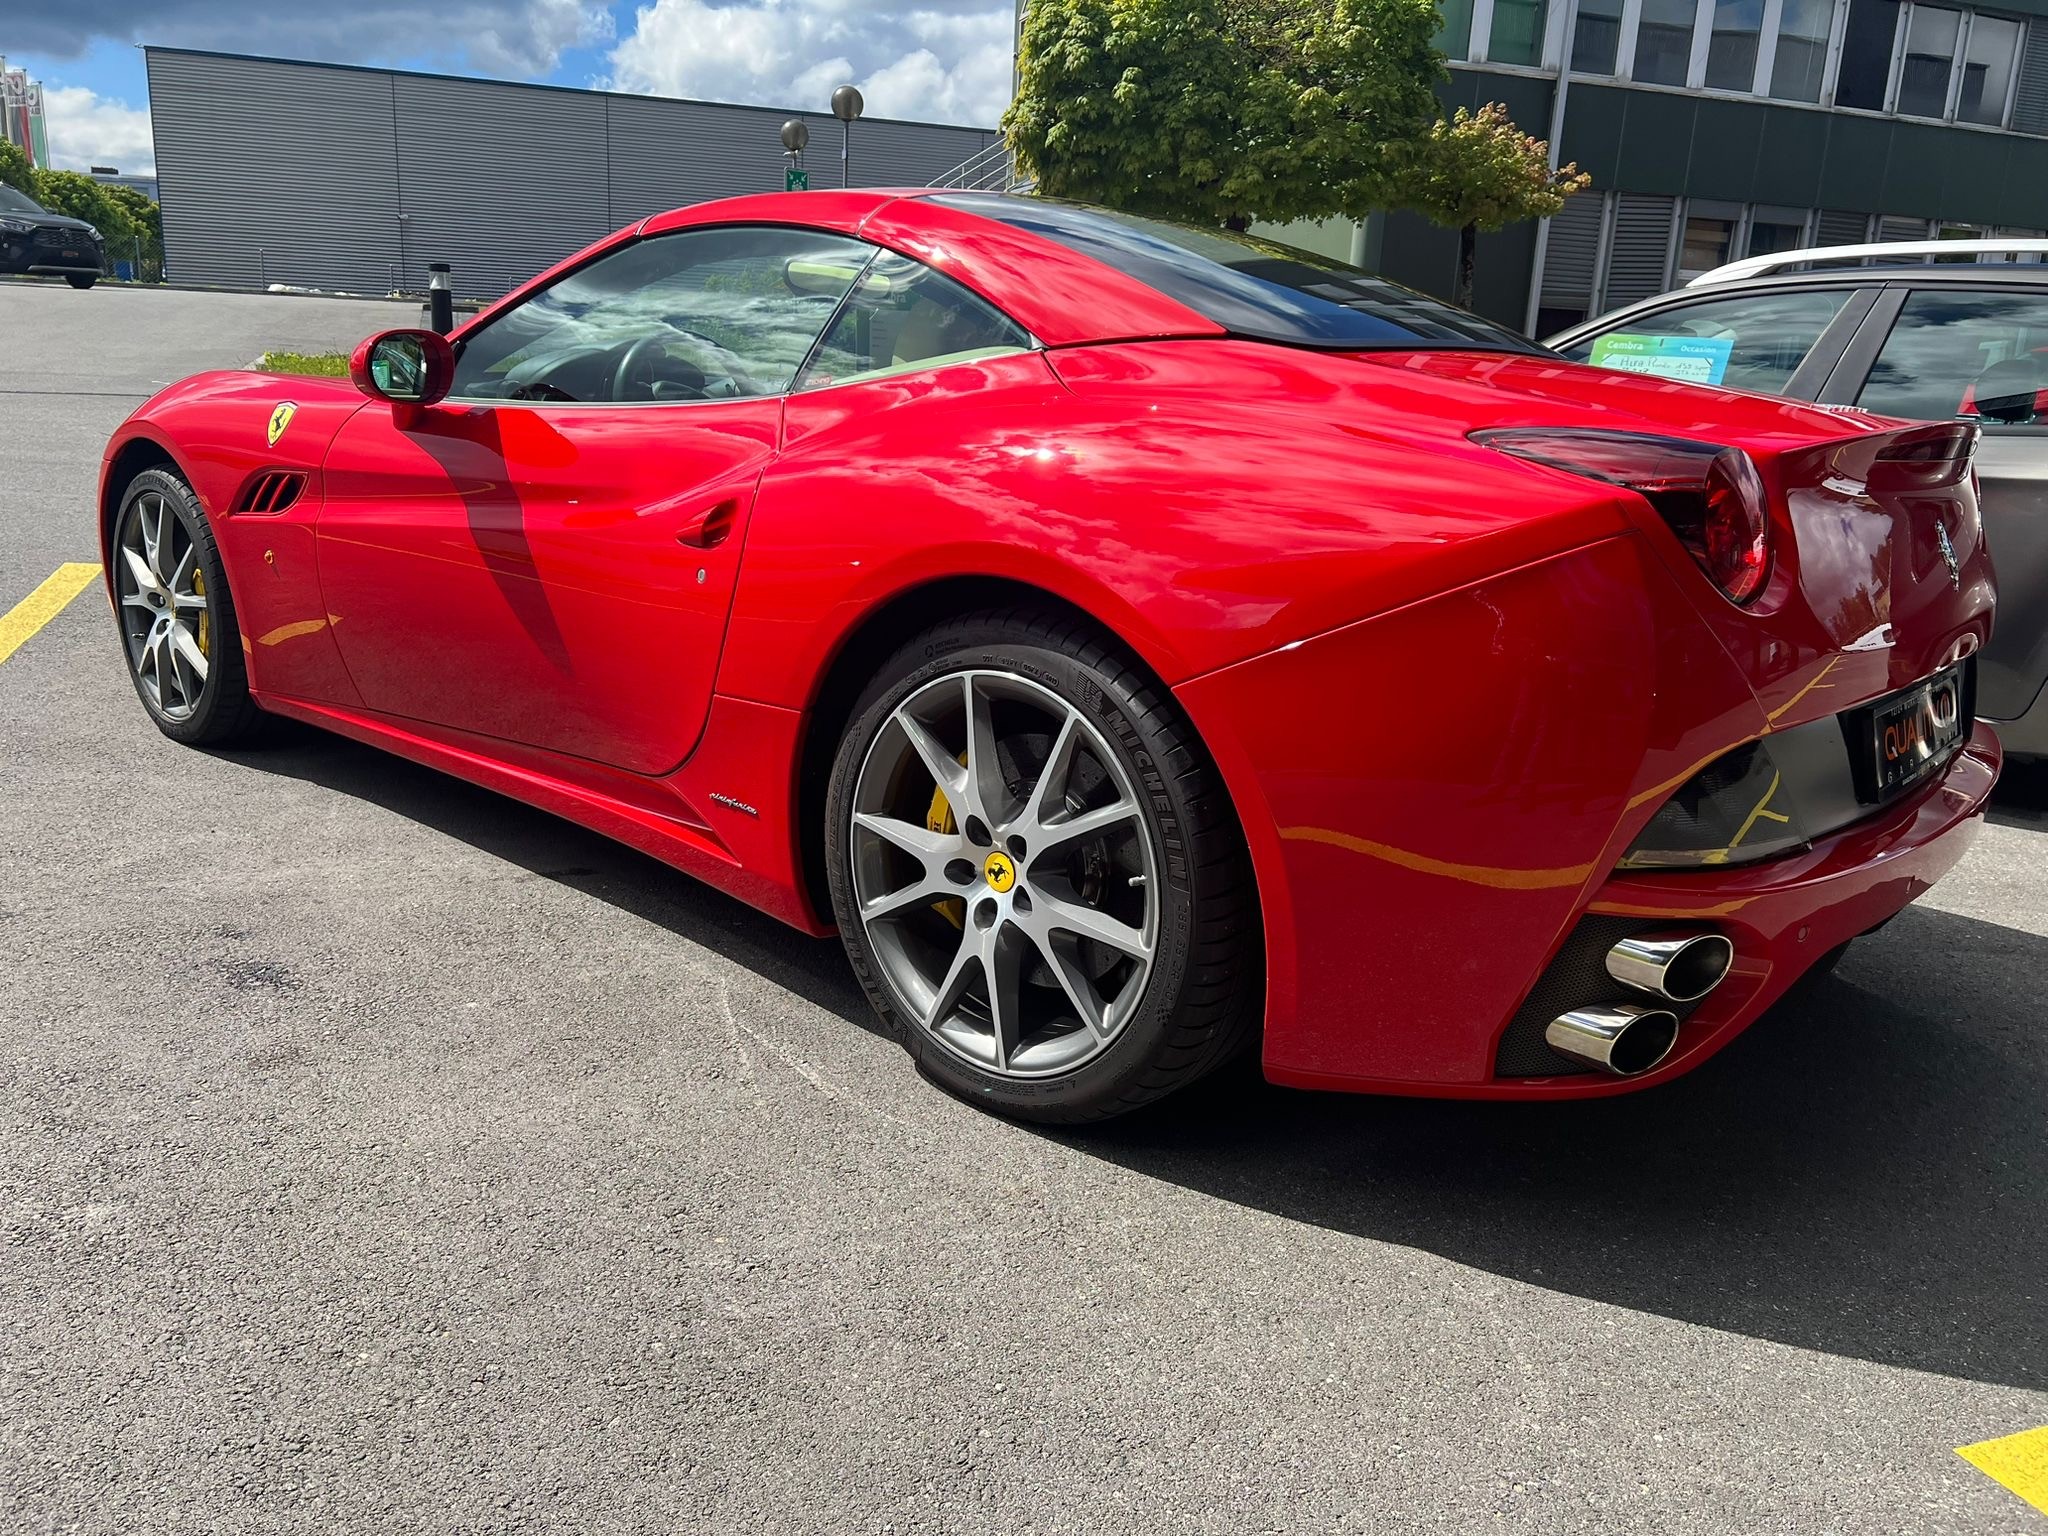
x=1716, y=129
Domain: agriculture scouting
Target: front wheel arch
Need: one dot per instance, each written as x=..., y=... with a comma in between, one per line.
x=134, y=456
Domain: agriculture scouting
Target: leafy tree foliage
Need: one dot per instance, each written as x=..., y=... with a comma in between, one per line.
x=81, y=197
x=145, y=223
x=1222, y=111
x=14, y=167
x=1479, y=171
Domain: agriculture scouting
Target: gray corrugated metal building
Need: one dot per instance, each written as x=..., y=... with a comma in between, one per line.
x=331, y=176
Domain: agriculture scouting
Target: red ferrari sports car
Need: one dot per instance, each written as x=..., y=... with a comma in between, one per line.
x=1136, y=641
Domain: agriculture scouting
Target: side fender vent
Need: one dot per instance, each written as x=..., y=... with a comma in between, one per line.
x=271, y=492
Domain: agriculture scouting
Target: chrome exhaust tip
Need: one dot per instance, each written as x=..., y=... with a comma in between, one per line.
x=1678, y=967
x=1619, y=1038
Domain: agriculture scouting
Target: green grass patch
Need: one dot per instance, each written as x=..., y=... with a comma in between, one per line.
x=318, y=365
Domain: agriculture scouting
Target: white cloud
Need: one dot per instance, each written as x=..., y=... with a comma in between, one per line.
x=87, y=129
x=936, y=64
x=521, y=38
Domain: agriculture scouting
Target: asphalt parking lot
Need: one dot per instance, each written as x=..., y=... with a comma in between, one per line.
x=380, y=1155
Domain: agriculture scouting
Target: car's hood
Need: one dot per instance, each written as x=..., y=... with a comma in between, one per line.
x=51, y=221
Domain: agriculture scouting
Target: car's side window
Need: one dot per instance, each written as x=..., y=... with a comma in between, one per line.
x=703, y=314
x=1963, y=353
x=902, y=315
x=1744, y=341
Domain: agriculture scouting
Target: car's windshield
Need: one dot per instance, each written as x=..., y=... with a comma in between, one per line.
x=12, y=201
x=1250, y=287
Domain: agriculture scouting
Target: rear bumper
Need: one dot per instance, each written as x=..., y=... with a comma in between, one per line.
x=1782, y=916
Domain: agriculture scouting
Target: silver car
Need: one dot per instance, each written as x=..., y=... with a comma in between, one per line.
x=1955, y=336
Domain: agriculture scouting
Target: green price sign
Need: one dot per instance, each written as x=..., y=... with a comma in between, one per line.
x=797, y=180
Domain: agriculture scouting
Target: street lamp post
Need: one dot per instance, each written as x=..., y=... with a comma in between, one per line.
x=795, y=135
x=846, y=106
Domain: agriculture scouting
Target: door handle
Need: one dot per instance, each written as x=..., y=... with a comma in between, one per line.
x=708, y=529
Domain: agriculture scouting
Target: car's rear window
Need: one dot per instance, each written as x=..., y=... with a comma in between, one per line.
x=1250, y=287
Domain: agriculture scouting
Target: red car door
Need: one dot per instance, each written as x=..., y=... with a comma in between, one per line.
x=548, y=556
x=554, y=577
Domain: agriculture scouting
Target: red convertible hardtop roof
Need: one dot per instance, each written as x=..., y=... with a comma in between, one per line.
x=1059, y=295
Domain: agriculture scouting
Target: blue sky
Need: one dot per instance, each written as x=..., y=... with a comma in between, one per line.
x=938, y=60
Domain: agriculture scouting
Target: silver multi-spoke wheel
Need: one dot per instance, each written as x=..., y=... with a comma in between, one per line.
x=164, y=611
x=1004, y=874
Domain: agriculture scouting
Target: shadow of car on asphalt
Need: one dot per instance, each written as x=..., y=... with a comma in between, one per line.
x=2022, y=796
x=569, y=855
x=1864, y=1172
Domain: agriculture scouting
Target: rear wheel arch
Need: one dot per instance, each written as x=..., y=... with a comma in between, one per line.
x=872, y=640
x=1202, y=966
x=878, y=635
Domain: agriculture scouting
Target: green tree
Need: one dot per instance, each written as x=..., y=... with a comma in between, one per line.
x=146, y=226
x=1477, y=171
x=1223, y=111
x=83, y=198
x=15, y=170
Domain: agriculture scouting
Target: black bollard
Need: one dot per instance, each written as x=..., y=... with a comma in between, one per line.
x=440, y=299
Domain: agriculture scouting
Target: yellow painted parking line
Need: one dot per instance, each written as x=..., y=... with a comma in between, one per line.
x=2017, y=1462
x=43, y=605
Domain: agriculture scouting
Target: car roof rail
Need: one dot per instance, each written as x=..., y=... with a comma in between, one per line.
x=1759, y=266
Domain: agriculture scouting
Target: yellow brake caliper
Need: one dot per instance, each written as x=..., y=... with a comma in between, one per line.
x=939, y=818
x=205, y=633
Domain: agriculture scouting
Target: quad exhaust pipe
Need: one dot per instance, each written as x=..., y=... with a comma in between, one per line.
x=1630, y=1038
x=1678, y=967
x=1621, y=1038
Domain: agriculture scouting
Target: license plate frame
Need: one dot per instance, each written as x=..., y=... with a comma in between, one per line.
x=1907, y=736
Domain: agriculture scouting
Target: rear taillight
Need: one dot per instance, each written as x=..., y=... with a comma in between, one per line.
x=1712, y=497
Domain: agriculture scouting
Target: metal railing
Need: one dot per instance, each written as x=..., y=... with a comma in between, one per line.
x=993, y=169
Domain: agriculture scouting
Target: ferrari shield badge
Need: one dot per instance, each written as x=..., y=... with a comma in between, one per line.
x=280, y=419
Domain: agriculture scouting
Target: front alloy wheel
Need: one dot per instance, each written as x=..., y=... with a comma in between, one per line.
x=163, y=607
x=177, y=618
x=1000, y=818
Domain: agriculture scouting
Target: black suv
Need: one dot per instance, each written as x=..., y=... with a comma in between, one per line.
x=1944, y=338
x=33, y=239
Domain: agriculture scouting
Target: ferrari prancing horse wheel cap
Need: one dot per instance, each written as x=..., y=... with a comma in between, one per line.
x=1000, y=873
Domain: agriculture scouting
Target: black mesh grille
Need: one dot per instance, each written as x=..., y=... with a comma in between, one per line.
x=1577, y=976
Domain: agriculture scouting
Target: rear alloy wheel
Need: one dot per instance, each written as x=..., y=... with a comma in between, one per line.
x=1003, y=809
x=177, y=619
